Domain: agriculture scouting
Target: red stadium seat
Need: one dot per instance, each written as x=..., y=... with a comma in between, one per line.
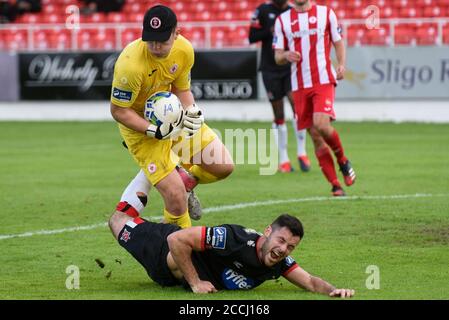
x=130, y=8
x=94, y=18
x=129, y=35
x=405, y=34
x=30, y=18
x=218, y=37
x=53, y=18
x=60, y=40
x=427, y=35
x=53, y=12
x=238, y=36
x=196, y=35
x=116, y=17
x=202, y=16
x=398, y=4
x=433, y=11
x=378, y=37
x=408, y=13
x=16, y=39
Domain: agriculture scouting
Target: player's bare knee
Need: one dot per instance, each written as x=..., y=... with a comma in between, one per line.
x=175, y=201
x=225, y=170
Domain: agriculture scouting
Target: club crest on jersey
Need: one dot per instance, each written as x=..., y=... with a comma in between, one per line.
x=174, y=68
x=126, y=235
x=312, y=20
x=152, y=167
x=289, y=261
x=155, y=23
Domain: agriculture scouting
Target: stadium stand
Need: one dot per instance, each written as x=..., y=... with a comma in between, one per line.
x=221, y=24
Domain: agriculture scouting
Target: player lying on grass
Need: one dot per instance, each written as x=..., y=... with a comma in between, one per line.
x=225, y=257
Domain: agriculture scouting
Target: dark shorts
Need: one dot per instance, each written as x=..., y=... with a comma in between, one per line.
x=147, y=243
x=277, y=84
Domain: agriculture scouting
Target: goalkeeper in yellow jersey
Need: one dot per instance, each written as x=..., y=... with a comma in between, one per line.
x=161, y=61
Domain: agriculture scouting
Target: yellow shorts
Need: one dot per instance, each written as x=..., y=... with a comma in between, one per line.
x=158, y=158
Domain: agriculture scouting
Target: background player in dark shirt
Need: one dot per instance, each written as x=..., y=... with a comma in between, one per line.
x=276, y=80
x=208, y=259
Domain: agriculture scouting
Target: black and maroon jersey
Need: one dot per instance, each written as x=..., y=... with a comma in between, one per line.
x=229, y=259
x=261, y=29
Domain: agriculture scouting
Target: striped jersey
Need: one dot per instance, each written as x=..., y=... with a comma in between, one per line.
x=310, y=33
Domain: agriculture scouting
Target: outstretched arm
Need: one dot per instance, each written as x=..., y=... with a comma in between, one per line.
x=181, y=244
x=303, y=279
x=340, y=52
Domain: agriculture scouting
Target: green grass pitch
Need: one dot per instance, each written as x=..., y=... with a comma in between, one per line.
x=62, y=175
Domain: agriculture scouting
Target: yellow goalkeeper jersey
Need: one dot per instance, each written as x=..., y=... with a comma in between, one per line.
x=137, y=74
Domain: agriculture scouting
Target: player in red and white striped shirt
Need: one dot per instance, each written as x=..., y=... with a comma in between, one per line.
x=303, y=36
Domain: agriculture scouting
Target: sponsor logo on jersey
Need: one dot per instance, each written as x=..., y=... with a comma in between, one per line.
x=126, y=235
x=218, y=238
x=289, y=261
x=272, y=15
x=294, y=22
x=121, y=95
x=237, y=264
x=328, y=102
x=235, y=281
x=310, y=32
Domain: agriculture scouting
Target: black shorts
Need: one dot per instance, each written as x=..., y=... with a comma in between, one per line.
x=147, y=243
x=277, y=84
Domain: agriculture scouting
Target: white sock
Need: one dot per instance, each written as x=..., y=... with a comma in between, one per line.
x=139, y=184
x=281, y=136
x=300, y=139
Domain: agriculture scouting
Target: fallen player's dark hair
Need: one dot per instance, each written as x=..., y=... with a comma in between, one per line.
x=292, y=223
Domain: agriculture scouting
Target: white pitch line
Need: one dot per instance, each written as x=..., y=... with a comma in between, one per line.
x=234, y=207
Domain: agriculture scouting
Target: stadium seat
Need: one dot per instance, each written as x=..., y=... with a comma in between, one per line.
x=97, y=17
x=427, y=35
x=116, y=17
x=408, y=12
x=405, y=35
x=433, y=12
x=129, y=35
x=196, y=35
x=204, y=11
x=53, y=18
x=131, y=8
x=378, y=37
x=29, y=18
x=60, y=39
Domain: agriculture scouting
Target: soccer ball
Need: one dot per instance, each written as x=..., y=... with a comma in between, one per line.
x=163, y=107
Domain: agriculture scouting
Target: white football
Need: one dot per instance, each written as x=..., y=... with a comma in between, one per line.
x=163, y=107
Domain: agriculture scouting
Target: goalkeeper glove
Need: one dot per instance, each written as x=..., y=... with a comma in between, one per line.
x=161, y=132
x=193, y=119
